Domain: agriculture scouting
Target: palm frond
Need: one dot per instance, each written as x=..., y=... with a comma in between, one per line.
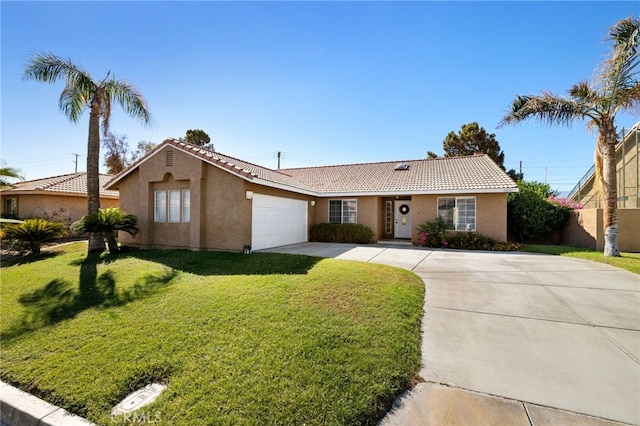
x=107, y=220
x=11, y=172
x=619, y=72
x=49, y=68
x=105, y=111
x=129, y=98
x=547, y=108
x=73, y=101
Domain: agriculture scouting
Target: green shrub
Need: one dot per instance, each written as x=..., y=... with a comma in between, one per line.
x=34, y=232
x=107, y=222
x=531, y=216
x=474, y=241
x=432, y=233
x=341, y=233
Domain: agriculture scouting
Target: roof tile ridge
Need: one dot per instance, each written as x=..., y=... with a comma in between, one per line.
x=46, y=178
x=205, y=153
x=218, y=154
x=66, y=178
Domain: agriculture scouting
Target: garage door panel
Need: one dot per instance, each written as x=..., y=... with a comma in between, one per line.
x=277, y=221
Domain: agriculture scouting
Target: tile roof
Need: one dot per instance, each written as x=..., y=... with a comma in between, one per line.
x=236, y=165
x=474, y=173
x=73, y=183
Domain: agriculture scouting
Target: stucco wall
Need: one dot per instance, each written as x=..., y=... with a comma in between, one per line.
x=64, y=208
x=220, y=211
x=369, y=212
x=491, y=213
x=584, y=229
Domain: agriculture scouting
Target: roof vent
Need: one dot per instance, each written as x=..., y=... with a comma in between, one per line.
x=402, y=166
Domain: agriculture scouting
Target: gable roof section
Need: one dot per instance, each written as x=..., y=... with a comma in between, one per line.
x=70, y=184
x=470, y=174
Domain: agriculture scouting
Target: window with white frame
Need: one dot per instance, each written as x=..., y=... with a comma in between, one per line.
x=459, y=213
x=173, y=206
x=343, y=211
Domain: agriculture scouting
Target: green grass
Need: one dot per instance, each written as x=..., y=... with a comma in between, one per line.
x=628, y=261
x=238, y=339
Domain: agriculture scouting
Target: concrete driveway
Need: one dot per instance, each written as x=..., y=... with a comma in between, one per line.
x=516, y=338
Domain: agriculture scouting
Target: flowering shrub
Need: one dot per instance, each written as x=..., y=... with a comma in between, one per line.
x=432, y=233
x=563, y=202
x=535, y=212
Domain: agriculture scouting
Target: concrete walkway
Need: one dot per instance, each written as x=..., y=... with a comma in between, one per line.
x=516, y=338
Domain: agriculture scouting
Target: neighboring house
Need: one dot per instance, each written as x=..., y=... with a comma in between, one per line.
x=186, y=196
x=585, y=226
x=628, y=176
x=61, y=198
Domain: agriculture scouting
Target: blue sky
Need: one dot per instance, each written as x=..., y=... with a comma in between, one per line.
x=322, y=82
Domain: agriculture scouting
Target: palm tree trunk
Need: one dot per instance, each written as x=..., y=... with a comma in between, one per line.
x=96, y=242
x=112, y=243
x=610, y=193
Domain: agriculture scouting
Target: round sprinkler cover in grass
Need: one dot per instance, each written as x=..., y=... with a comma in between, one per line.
x=138, y=399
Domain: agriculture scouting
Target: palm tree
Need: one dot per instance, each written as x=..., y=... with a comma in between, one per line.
x=614, y=89
x=106, y=222
x=34, y=232
x=82, y=92
x=8, y=172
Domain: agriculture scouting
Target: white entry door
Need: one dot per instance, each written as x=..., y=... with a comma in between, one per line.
x=277, y=221
x=402, y=219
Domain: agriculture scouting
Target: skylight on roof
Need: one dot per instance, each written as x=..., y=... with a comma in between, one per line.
x=402, y=166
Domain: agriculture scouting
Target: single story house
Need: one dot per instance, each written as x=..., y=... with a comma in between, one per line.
x=61, y=198
x=188, y=197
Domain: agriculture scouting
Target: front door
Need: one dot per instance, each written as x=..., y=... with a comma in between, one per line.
x=402, y=219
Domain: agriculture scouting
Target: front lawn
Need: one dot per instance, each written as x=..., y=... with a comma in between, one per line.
x=238, y=339
x=628, y=261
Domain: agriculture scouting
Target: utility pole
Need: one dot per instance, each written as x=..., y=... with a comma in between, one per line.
x=520, y=167
x=76, y=161
x=279, y=154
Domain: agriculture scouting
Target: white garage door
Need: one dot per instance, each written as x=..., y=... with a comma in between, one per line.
x=277, y=221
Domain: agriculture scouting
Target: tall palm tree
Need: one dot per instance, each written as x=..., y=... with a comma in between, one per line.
x=615, y=88
x=82, y=92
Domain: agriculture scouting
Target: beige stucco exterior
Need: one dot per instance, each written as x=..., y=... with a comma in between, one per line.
x=62, y=207
x=584, y=229
x=221, y=211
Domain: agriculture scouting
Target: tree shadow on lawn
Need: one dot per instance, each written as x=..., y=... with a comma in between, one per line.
x=227, y=263
x=58, y=300
x=10, y=259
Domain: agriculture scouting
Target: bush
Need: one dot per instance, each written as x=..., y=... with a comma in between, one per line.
x=34, y=232
x=432, y=233
x=107, y=222
x=534, y=212
x=341, y=233
x=473, y=241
